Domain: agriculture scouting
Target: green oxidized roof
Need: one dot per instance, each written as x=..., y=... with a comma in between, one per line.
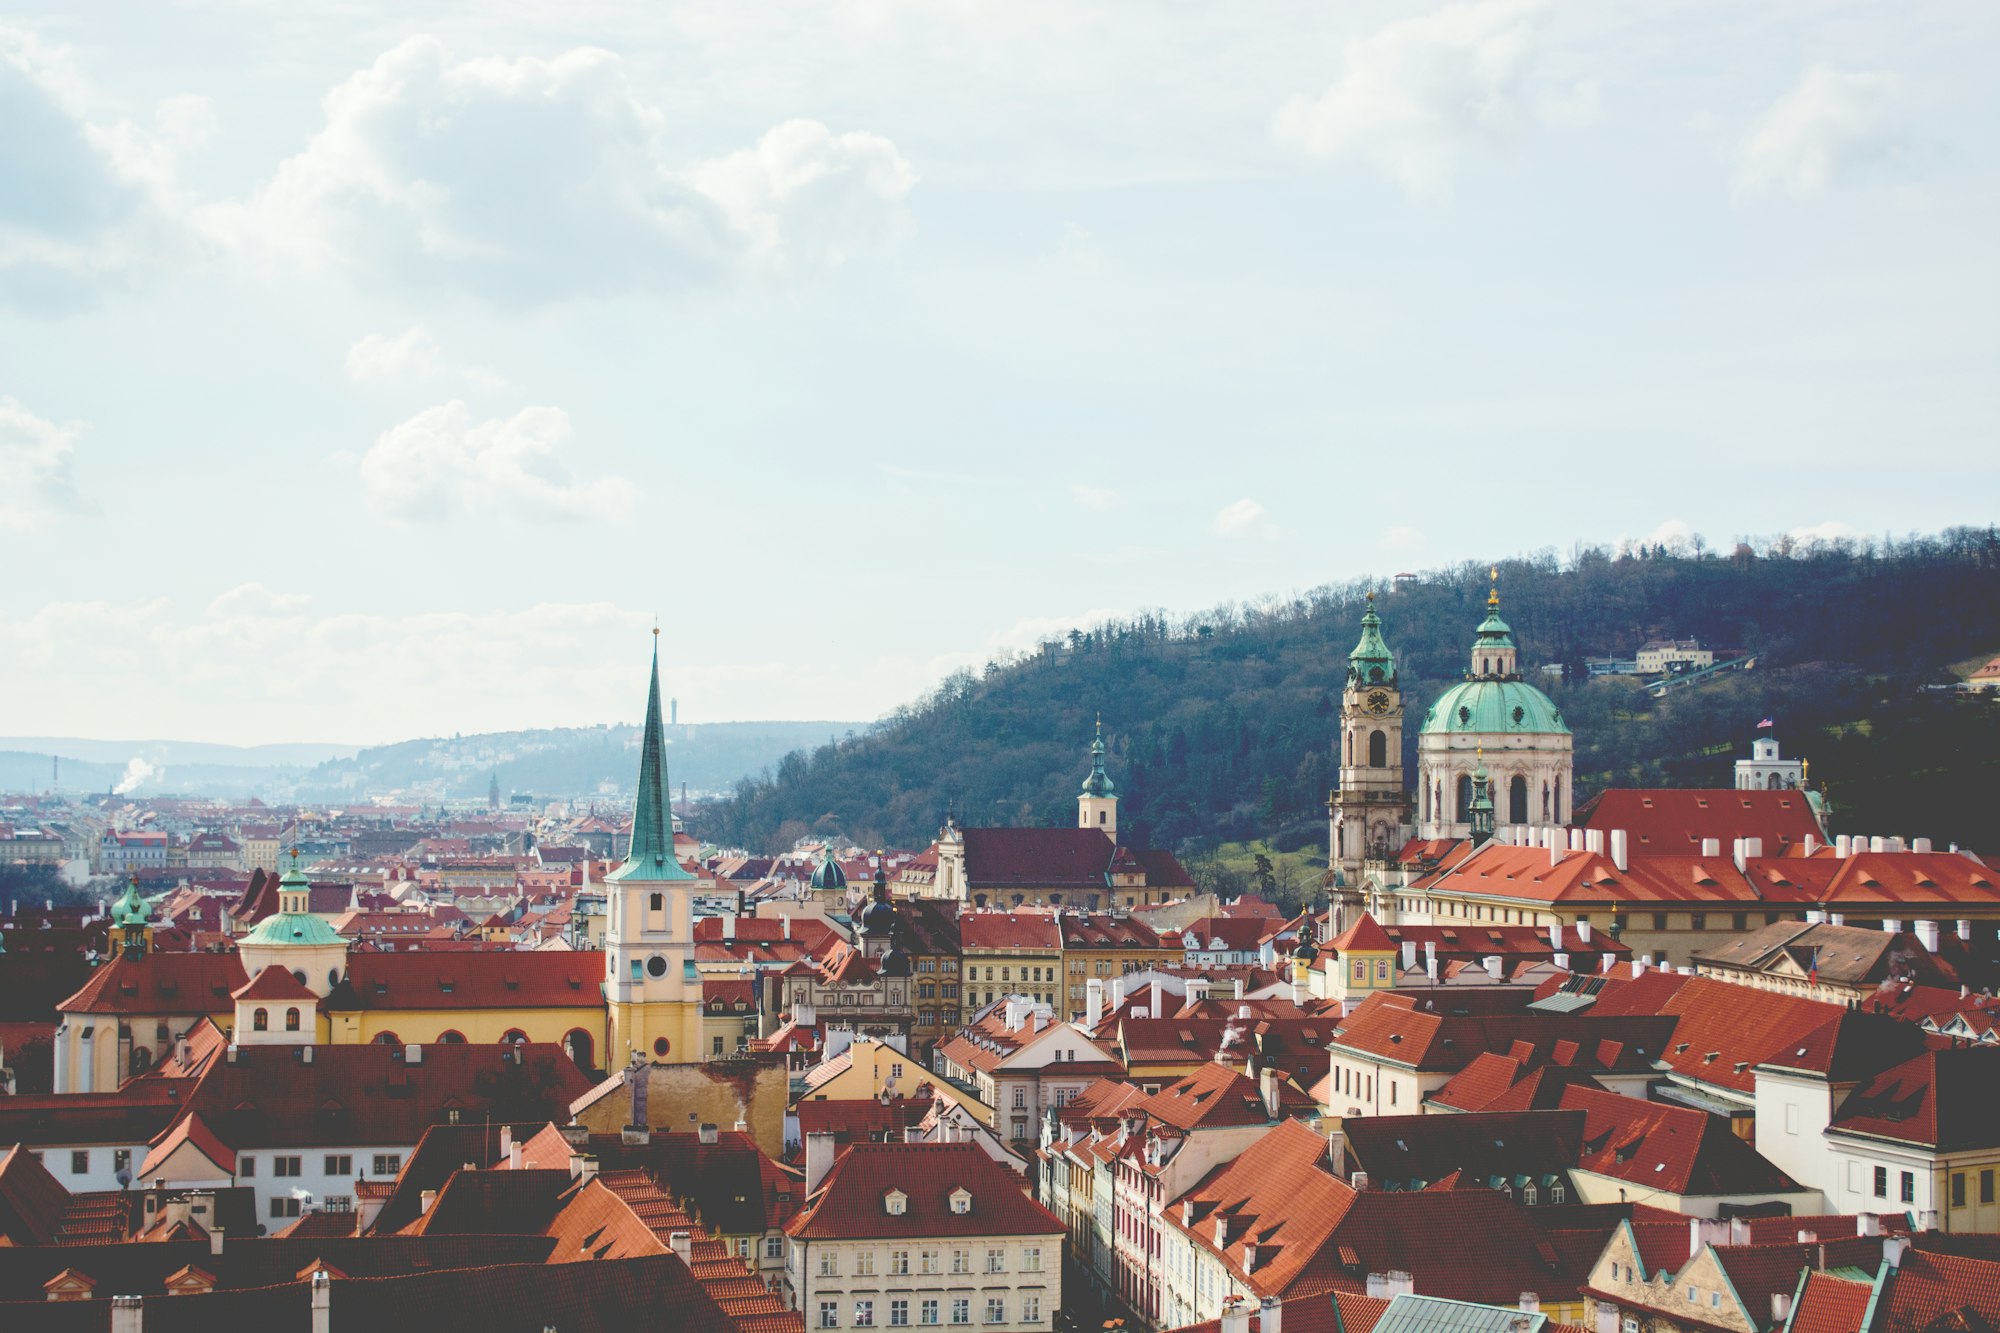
x=828, y=874
x=131, y=909
x=1371, y=659
x=302, y=928
x=1098, y=783
x=1494, y=707
x=650, y=858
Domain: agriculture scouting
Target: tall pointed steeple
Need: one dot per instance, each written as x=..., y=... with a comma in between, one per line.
x=1097, y=806
x=651, y=853
x=1098, y=783
x=1371, y=662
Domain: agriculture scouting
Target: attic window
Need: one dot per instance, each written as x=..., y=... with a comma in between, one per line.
x=895, y=1203
x=961, y=1201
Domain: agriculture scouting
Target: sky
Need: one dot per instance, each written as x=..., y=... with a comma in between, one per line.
x=381, y=370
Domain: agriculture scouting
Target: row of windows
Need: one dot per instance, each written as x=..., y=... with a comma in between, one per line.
x=1007, y=973
x=929, y=1261
x=929, y=1310
x=385, y=1164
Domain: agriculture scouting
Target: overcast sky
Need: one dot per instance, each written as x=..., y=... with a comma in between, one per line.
x=370, y=371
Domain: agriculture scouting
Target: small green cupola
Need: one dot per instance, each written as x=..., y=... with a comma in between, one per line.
x=132, y=919
x=827, y=876
x=1371, y=662
x=1494, y=656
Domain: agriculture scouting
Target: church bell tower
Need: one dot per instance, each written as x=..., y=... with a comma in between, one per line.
x=652, y=991
x=1369, y=810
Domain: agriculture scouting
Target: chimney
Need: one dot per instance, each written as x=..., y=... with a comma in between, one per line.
x=1562, y=962
x=1711, y=846
x=1868, y=1224
x=425, y=1200
x=1878, y=844
x=1378, y=1287
x=1927, y=1220
x=1158, y=1002
x=1638, y=967
x=1531, y=1303
x=1400, y=1283
x=1117, y=991
x=1808, y=1238
x=215, y=1240
x=682, y=1244
x=1739, y=1231
x=1576, y=839
x=413, y=1054
x=1920, y=844
x=728, y=927
x=785, y=922
x=1358, y=1180
x=1583, y=932
x=1753, y=849
x=742, y=1127
x=1809, y=844
x=1618, y=850
x=1694, y=1236
x=128, y=1314
x=819, y=1158
x=1815, y=917
x=584, y=1167
x=1965, y=929
x=1555, y=935
x=1409, y=954
x=1891, y=926
x=322, y=1301
x=1836, y=918
x=1495, y=966
x=1739, y=854
x=1336, y=1153
x=1927, y=935
x=1236, y=1316
x=1093, y=1002
x=1843, y=846
x=1267, y=1084
x=1593, y=840
x=1892, y=1250
x=707, y=1133
x=1781, y=1308
x=1270, y=1316
x=514, y=1162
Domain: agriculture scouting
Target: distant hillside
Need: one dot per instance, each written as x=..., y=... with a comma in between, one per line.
x=1220, y=724
x=564, y=761
x=560, y=762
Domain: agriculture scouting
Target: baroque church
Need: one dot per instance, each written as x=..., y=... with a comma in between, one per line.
x=1491, y=751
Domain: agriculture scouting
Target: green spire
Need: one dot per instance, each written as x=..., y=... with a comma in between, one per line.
x=651, y=854
x=1493, y=631
x=1371, y=662
x=1098, y=783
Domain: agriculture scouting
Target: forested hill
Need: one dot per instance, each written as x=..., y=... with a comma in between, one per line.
x=1220, y=725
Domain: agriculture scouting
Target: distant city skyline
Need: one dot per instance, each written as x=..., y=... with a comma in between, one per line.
x=372, y=372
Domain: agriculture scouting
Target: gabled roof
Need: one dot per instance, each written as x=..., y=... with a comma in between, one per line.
x=1674, y=1149
x=505, y=979
x=160, y=983
x=1212, y=1097
x=1011, y=930
x=277, y=984
x=849, y=1203
x=1679, y=819
x=1363, y=936
x=1488, y=1147
x=1942, y=1100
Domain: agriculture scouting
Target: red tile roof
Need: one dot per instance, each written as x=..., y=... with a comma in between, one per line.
x=1364, y=935
x=274, y=983
x=1675, y=1149
x=1830, y=1304
x=506, y=979
x=1212, y=1097
x=1051, y=858
x=1011, y=930
x=850, y=1202
x=1942, y=1100
x=160, y=983
x=1679, y=819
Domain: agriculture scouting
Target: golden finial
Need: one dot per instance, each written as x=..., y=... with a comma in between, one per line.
x=1493, y=594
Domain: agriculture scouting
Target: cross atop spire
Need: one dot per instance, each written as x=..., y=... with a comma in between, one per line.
x=651, y=853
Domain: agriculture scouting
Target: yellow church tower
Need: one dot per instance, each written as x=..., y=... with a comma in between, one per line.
x=651, y=989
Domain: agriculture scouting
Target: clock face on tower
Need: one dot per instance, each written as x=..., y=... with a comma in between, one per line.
x=1378, y=702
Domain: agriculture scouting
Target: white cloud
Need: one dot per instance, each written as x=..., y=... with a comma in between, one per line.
x=1402, y=541
x=1676, y=535
x=1831, y=123
x=137, y=771
x=1832, y=530
x=1415, y=96
x=37, y=476
x=410, y=355
x=531, y=180
x=1094, y=497
x=392, y=675
x=81, y=203
x=1244, y=518
x=254, y=599
x=442, y=462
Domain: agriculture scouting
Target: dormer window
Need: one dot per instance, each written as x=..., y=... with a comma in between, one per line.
x=961, y=1201
x=895, y=1203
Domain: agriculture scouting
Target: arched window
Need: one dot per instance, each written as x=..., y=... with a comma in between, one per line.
x=292, y=1020
x=387, y=1039
x=1378, y=749
x=1777, y=783
x=1517, y=800
x=1559, y=800
x=142, y=1060
x=513, y=1037
x=1464, y=797
x=260, y=1020
x=580, y=1047
x=451, y=1037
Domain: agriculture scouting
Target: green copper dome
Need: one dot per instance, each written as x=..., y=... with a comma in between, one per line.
x=1494, y=707
x=302, y=928
x=1371, y=662
x=827, y=874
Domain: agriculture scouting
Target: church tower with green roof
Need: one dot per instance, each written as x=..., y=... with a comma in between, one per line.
x=652, y=991
x=1369, y=812
x=1097, y=803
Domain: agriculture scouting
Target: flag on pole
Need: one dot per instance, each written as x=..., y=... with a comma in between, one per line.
x=1767, y=722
